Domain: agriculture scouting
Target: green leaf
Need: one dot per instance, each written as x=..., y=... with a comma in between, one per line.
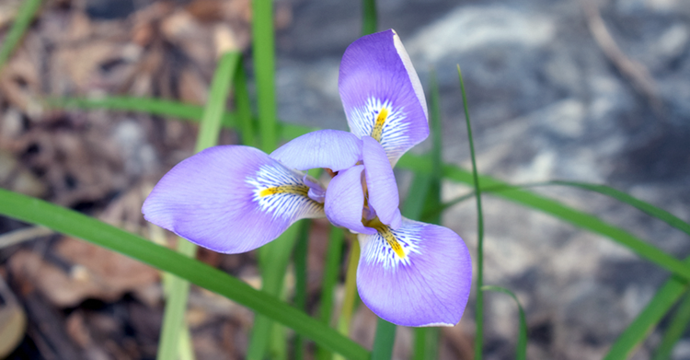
x=648, y=318
x=679, y=323
x=383, y=340
x=368, y=17
x=39, y=212
x=273, y=261
x=479, y=307
x=21, y=23
x=300, y=260
x=243, y=108
x=646, y=207
x=330, y=279
x=151, y=106
x=521, y=348
x=264, y=71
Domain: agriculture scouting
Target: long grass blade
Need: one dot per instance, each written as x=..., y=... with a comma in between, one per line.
x=264, y=71
x=21, y=23
x=521, y=348
x=479, y=310
x=330, y=279
x=646, y=207
x=383, y=340
x=243, y=108
x=273, y=261
x=209, y=130
x=72, y=223
x=300, y=300
x=679, y=323
x=160, y=107
x=649, y=317
x=263, y=52
x=369, y=18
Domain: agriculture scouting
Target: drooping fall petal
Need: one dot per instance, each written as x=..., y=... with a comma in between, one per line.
x=417, y=275
x=230, y=199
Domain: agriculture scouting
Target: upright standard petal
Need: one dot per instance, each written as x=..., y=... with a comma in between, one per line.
x=230, y=199
x=345, y=200
x=381, y=186
x=382, y=94
x=418, y=275
x=333, y=149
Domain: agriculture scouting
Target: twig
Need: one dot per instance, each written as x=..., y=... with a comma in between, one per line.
x=21, y=235
x=636, y=72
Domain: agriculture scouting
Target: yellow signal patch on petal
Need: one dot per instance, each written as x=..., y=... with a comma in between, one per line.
x=385, y=232
x=285, y=189
x=393, y=242
x=378, y=125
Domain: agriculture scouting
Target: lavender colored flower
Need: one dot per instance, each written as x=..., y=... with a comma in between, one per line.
x=233, y=199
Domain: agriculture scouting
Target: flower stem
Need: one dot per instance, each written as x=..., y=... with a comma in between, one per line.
x=350, y=291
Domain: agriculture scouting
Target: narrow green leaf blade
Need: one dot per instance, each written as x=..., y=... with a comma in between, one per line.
x=369, y=19
x=646, y=207
x=330, y=279
x=648, y=318
x=679, y=323
x=300, y=260
x=151, y=106
x=39, y=212
x=264, y=71
x=521, y=348
x=479, y=307
x=383, y=340
x=21, y=23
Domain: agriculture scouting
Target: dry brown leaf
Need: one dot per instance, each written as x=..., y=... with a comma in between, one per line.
x=12, y=321
x=97, y=273
x=20, y=83
x=107, y=268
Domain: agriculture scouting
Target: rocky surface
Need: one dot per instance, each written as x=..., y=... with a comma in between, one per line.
x=548, y=100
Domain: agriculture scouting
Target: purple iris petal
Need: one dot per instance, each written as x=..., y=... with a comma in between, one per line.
x=230, y=199
x=333, y=149
x=382, y=94
x=345, y=200
x=382, y=189
x=418, y=275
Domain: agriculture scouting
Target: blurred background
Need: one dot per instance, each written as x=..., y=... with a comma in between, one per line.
x=594, y=91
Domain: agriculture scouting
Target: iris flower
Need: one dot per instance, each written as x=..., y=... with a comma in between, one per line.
x=233, y=199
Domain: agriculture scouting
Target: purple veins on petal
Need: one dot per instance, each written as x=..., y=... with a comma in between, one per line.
x=417, y=275
x=381, y=186
x=382, y=95
x=230, y=199
x=333, y=149
x=345, y=200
